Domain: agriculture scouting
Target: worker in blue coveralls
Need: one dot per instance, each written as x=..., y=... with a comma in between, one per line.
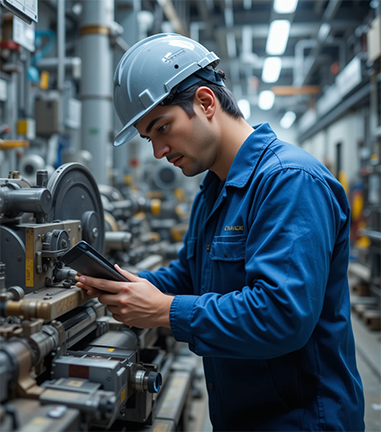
x=259, y=289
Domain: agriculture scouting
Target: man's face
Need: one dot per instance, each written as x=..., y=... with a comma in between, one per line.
x=188, y=143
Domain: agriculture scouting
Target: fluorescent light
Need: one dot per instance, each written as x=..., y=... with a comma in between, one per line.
x=244, y=106
x=271, y=69
x=266, y=100
x=323, y=32
x=288, y=120
x=285, y=6
x=278, y=37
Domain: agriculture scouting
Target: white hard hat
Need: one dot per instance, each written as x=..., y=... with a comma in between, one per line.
x=150, y=70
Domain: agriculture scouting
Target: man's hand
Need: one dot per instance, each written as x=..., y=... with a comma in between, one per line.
x=137, y=303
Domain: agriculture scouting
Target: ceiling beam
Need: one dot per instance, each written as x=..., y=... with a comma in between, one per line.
x=298, y=30
x=293, y=90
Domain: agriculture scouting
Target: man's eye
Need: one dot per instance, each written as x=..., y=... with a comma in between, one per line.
x=162, y=128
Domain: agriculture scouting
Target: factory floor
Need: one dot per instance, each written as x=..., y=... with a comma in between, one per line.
x=368, y=347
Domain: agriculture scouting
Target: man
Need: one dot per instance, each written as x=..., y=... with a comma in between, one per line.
x=260, y=288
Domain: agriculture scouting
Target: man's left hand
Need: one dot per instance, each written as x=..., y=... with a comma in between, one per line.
x=136, y=303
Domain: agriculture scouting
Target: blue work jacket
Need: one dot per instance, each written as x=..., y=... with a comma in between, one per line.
x=261, y=292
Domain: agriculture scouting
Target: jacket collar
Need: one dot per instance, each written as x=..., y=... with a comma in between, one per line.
x=246, y=159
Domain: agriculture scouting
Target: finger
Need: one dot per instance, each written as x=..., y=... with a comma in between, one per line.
x=130, y=276
x=83, y=286
x=113, y=309
x=90, y=291
x=100, y=284
x=117, y=317
x=109, y=299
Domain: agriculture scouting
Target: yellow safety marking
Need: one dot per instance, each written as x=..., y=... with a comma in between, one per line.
x=179, y=194
x=127, y=179
x=176, y=235
x=75, y=383
x=155, y=207
x=12, y=144
x=160, y=427
x=123, y=395
x=357, y=207
x=22, y=127
x=38, y=421
x=29, y=255
x=342, y=177
x=111, y=349
x=44, y=80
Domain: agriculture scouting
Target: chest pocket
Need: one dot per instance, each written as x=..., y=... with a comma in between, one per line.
x=228, y=248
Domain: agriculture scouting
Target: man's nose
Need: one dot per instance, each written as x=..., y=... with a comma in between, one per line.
x=160, y=149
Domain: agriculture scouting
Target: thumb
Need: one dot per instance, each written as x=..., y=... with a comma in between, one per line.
x=130, y=276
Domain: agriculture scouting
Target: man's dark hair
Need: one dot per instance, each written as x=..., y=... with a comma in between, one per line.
x=185, y=98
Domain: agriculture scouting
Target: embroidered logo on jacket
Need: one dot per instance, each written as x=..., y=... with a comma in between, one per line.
x=233, y=228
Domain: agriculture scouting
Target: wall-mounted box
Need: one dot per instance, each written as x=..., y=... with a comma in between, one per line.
x=47, y=116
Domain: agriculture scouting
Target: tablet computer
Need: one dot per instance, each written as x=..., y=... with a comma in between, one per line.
x=84, y=259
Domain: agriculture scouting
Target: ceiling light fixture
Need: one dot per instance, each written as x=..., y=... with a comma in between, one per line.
x=288, y=120
x=278, y=37
x=266, y=100
x=285, y=6
x=271, y=69
x=323, y=32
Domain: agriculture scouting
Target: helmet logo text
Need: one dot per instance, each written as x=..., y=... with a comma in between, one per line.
x=170, y=57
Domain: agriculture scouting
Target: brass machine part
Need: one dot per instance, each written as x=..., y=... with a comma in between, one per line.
x=12, y=144
x=26, y=385
x=47, y=303
x=35, y=275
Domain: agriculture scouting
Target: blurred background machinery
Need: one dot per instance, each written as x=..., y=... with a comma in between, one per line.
x=64, y=362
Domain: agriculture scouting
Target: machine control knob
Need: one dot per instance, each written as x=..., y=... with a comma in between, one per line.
x=147, y=381
x=154, y=381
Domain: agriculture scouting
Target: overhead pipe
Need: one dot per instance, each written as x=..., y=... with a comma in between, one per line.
x=73, y=63
x=309, y=64
x=299, y=64
x=311, y=59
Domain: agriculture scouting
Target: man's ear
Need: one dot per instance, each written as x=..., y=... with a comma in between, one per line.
x=206, y=100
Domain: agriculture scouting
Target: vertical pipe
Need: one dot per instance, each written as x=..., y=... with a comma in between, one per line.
x=129, y=19
x=96, y=85
x=61, y=59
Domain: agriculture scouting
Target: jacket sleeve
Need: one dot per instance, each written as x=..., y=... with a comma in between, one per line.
x=295, y=222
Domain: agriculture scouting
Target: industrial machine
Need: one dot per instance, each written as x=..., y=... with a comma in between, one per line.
x=65, y=364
